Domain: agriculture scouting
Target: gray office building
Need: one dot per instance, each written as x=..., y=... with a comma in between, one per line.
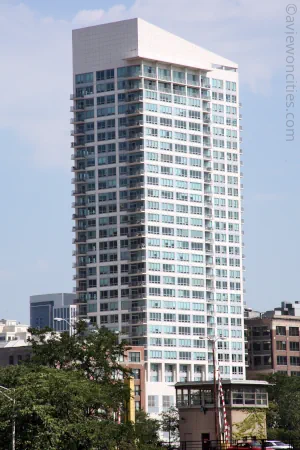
x=47, y=307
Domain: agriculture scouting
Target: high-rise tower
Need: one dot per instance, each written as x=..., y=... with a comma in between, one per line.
x=158, y=199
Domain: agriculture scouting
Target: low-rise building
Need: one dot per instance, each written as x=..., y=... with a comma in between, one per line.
x=246, y=403
x=135, y=360
x=274, y=341
x=14, y=352
x=12, y=330
x=45, y=308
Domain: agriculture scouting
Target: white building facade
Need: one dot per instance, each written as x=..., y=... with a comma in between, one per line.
x=13, y=331
x=158, y=200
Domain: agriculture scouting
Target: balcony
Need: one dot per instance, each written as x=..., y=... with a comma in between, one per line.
x=138, y=184
x=79, y=240
x=147, y=74
x=78, y=144
x=79, y=276
x=209, y=275
x=133, y=87
x=78, y=168
x=137, y=246
x=179, y=80
x=134, y=123
x=137, y=271
x=79, y=264
x=179, y=91
x=194, y=94
x=137, y=160
x=78, y=252
x=193, y=82
x=164, y=77
x=135, y=136
x=80, y=288
x=77, y=132
x=165, y=90
x=210, y=287
x=77, y=216
x=137, y=283
x=133, y=111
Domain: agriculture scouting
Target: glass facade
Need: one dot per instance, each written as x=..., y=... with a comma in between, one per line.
x=158, y=215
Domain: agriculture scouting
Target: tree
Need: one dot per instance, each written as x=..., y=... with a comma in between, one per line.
x=170, y=423
x=70, y=395
x=147, y=429
x=96, y=354
x=283, y=415
x=59, y=410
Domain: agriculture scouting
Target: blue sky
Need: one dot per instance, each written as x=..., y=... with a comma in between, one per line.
x=36, y=247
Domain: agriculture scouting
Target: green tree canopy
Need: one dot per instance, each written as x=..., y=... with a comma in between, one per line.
x=58, y=409
x=70, y=395
x=283, y=415
x=170, y=423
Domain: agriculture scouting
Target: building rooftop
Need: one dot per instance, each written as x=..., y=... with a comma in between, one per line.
x=147, y=41
x=224, y=382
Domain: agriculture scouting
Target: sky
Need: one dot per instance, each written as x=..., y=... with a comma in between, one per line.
x=35, y=169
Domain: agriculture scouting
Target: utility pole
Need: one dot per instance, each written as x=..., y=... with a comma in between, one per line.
x=215, y=391
x=13, y=400
x=169, y=432
x=213, y=340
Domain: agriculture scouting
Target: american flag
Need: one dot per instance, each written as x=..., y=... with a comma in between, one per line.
x=226, y=427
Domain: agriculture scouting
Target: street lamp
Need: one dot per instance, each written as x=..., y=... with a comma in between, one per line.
x=71, y=325
x=213, y=340
x=60, y=319
x=12, y=399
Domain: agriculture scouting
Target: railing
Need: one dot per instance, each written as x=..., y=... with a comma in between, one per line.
x=164, y=77
x=149, y=74
x=168, y=91
x=179, y=80
x=193, y=82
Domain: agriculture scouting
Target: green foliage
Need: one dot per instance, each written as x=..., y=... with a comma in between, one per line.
x=283, y=416
x=69, y=395
x=170, y=423
x=59, y=410
x=252, y=425
x=147, y=430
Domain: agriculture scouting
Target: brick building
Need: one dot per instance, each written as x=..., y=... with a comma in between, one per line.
x=135, y=360
x=274, y=341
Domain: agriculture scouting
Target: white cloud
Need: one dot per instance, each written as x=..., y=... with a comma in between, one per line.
x=88, y=17
x=91, y=17
x=36, y=78
x=36, y=82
